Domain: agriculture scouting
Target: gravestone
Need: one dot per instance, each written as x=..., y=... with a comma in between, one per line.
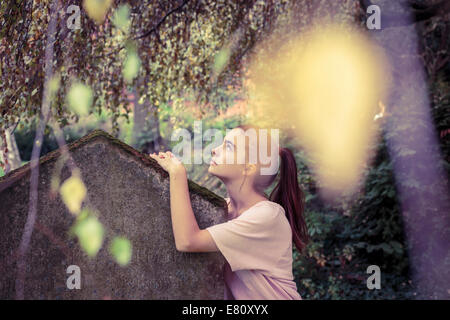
x=130, y=193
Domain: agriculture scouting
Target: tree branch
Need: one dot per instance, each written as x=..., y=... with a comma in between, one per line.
x=34, y=163
x=155, y=28
x=12, y=132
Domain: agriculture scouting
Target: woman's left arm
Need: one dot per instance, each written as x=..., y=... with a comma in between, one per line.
x=187, y=234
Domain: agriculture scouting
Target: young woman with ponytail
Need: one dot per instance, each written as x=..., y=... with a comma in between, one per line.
x=256, y=241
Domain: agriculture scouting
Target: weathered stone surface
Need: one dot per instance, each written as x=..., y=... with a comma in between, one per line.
x=130, y=193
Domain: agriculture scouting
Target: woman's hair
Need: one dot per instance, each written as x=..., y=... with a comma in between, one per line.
x=286, y=193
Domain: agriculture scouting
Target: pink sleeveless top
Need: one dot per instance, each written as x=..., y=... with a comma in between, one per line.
x=257, y=246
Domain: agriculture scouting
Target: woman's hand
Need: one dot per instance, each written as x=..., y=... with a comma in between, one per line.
x=169, y=162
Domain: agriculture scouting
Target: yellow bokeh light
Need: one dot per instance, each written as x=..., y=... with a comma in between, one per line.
x=327, y=85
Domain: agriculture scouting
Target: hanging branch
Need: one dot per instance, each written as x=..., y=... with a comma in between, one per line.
x=34, y=163
x=146, y=34
x=155, y=28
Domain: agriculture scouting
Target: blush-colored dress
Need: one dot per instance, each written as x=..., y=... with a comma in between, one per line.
x=257, y=246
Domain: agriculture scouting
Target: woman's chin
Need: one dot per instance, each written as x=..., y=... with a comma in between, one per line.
x=212, y=170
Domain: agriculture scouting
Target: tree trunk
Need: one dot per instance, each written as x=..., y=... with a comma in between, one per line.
x=12, y=155
x=146, y=135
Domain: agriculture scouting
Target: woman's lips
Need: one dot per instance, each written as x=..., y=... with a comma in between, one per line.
x=213, y=163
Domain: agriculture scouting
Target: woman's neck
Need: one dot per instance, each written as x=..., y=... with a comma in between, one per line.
x=242, y=198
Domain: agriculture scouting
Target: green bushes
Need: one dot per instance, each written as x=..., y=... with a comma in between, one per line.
x=345, y=242
x=25, y=137
x=26, y=133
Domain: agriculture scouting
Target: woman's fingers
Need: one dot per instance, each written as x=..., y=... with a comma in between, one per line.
x=167, y=160
x=161, y=155
x=154, y=156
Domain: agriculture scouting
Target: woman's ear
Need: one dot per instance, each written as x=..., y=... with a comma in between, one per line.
x=250, y=169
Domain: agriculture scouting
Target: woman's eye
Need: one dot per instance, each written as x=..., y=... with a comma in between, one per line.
x=228, y=147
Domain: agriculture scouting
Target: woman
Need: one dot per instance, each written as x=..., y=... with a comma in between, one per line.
x=256, y=241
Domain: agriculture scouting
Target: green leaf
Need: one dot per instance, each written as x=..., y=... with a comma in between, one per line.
x=54, y=84
x=121, y=250
x=386, y=248
x=221, y=59
x=80, y=99
x=391, y=193
x=89, y=232
x=360, y=244
x=131, y=66
x=397, y=246
x=121, y=18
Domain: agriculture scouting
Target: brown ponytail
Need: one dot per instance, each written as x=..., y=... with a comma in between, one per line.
x=290, y=196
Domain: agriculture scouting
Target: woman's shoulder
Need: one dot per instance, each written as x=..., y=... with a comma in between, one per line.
x=265, y=210
x=268, y=204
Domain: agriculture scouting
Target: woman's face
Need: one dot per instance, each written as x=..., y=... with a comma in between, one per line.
x=228, y=159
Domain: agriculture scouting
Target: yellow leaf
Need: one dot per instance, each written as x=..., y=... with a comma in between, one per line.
x=80, y=99
x=131, y=66
x=97, y=9
x=72, y=192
